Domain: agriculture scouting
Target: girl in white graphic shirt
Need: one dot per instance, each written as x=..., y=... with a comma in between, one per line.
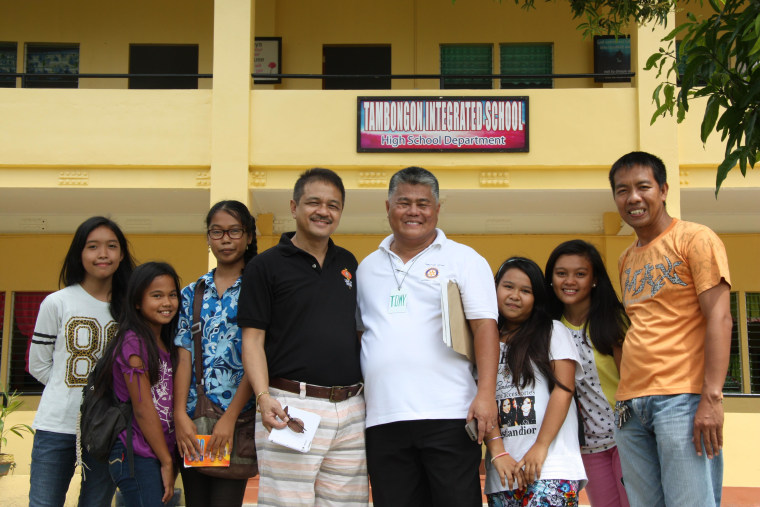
x=72, y=330
x=537, y=462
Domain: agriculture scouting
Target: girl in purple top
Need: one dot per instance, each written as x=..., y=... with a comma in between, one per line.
x=140, y=359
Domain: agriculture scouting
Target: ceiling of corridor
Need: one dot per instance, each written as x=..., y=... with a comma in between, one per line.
x=485, y=211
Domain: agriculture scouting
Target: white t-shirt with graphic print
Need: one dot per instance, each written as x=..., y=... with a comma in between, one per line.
x=71, y=333
x=521, y=423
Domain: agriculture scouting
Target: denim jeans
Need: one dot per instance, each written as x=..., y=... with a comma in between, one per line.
x=53, y=462
x=660, y=465
x=146, y=488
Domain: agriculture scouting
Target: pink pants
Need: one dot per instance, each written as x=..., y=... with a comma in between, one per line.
x=604, y=488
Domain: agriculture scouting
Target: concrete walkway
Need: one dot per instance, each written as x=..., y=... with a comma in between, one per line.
x=732, y=496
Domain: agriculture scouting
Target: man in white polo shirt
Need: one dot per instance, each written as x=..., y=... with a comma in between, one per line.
x=420, y=393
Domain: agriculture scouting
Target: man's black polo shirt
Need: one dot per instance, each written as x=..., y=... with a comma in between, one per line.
x=308, y=313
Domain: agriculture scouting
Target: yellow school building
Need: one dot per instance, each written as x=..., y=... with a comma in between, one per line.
x=147, y=112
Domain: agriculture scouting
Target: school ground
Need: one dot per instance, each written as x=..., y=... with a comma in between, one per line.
x=732, y=497
x=14, y=490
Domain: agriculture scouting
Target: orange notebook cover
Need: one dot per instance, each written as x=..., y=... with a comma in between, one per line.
x=203, y=440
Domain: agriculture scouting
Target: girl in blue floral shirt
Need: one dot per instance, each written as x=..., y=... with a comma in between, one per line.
x=231, y=236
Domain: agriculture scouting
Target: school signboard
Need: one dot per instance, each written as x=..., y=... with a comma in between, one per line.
x=442, y=124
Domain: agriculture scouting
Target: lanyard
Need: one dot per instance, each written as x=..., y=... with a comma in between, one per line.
x=393, y=270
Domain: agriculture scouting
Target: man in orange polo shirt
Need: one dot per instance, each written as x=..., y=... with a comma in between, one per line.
x=675, y=288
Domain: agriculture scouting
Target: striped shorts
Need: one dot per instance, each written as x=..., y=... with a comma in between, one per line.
x=332, y=473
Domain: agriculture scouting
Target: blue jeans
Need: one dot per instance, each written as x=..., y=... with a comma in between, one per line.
x=146, y=488
x=660, y=465
x=53, y=462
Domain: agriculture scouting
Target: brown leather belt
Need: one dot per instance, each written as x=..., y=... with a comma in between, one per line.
x=334, y=394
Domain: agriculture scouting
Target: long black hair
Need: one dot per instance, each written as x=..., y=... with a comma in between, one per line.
x=606, y=315
x=240, y=212
x=73, y=272
x=530, y=344
x=132, y=320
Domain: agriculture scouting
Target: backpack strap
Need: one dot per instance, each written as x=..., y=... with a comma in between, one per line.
x=196, y=330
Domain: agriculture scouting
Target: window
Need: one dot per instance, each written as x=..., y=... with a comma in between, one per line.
x=753, y=340
x=526, y=59
x=52, y=59
x=733, y=382
x=739, y=375
x=466, y=59
x=163, y=59
x=2, y=321
x=8, y=52
x=356, y=60
x=26, y=306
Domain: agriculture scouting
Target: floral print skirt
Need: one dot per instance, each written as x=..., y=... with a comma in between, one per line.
x=541, y=493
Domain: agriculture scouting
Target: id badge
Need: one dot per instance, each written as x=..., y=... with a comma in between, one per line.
x=398, y=299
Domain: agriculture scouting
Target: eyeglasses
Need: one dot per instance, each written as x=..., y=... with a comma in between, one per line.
x=294, y=423
x=235, y=233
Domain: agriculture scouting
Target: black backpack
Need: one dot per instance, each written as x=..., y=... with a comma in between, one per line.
x=102, y=418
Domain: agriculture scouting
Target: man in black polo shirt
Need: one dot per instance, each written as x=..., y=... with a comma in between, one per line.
x=300, y=349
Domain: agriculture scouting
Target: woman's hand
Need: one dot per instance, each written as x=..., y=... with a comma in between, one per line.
x=185, y=429
x=167, y=477
x=508, y=471
x=224, y=429
x=533, y=461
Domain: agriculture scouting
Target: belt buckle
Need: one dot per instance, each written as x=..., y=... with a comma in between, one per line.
x=332, y=394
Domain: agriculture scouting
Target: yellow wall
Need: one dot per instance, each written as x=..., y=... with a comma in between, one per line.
x=294, y=122
x=104, y=31
x=415, y=29
x=123, y=128
x=32, y=262
x=163, y=128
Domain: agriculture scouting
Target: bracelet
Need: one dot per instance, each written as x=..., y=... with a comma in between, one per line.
x=494, y=438
x=505, y=453
x=262, y=393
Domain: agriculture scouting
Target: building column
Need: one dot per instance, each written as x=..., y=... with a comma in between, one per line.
x=661, y=138
x=231, y=101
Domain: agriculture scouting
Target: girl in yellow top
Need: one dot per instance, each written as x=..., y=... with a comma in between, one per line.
x=582, y=297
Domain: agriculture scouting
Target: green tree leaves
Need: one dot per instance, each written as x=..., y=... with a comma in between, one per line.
x=718, y=58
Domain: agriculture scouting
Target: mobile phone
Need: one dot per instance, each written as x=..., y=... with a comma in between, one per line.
x=472, y=429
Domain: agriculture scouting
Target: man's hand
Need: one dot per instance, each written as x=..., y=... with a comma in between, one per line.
x=483, y=408
x=271, y=410
x=708, y=420
x=708, y=426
